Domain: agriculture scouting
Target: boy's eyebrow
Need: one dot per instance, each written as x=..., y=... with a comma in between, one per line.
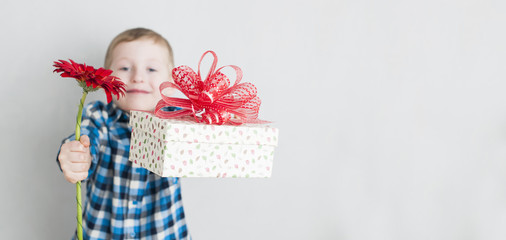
x=156, y=61
x=122, y=58
x=149, y=60
x=153, y=59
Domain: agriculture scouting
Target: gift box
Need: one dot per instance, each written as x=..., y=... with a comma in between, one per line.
x=181, y=147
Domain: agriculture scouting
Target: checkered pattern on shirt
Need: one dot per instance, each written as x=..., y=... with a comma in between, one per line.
x=124, y=201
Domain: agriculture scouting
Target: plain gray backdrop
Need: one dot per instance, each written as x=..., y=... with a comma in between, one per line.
x=392, y=114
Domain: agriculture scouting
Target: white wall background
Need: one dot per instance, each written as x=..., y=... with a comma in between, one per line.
x=392, y=113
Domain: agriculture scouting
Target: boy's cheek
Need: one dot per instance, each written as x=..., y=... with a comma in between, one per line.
x=122, y=76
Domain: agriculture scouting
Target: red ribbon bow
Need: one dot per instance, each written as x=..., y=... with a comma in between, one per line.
x=212, y=101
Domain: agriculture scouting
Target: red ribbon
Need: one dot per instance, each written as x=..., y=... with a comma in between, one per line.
x=212, y=101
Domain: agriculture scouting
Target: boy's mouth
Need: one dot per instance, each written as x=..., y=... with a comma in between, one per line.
x=137, y=91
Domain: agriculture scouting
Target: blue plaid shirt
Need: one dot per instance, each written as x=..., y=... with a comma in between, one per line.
x=123, y=200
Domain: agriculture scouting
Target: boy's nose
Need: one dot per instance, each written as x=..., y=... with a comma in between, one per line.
x=137, y=77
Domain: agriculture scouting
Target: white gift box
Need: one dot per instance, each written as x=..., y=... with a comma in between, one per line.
x=184, y=148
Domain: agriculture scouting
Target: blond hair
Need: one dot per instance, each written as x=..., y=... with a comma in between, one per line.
x=135, y=34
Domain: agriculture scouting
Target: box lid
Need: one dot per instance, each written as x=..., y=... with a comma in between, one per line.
x=187, y=130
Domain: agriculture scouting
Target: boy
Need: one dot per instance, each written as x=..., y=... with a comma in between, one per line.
x=125, y=201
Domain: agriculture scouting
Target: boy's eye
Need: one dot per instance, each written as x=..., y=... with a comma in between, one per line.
x=151, y=70
x=123, y=69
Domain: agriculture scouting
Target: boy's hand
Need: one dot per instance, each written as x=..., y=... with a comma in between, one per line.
x=75, y=159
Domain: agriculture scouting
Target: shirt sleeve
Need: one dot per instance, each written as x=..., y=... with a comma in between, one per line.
x=94, y=125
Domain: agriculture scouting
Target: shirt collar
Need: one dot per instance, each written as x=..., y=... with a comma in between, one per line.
x=116, y=114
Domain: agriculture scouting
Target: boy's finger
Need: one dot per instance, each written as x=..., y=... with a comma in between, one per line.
x=80, y=158
x=76, y=146
x=70, y=179
x=85, y=140
x=74, y=177
x=82, y=176
x=80, y=167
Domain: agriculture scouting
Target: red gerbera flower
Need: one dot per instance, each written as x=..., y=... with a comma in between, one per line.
x=91, y=79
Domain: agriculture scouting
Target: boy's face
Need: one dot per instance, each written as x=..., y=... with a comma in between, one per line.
x=142, y=65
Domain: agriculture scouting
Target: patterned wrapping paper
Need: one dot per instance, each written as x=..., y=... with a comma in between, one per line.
x=184, y=148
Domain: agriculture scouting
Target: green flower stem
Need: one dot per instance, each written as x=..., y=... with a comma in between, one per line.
x=78, y=184
x=79, y=116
